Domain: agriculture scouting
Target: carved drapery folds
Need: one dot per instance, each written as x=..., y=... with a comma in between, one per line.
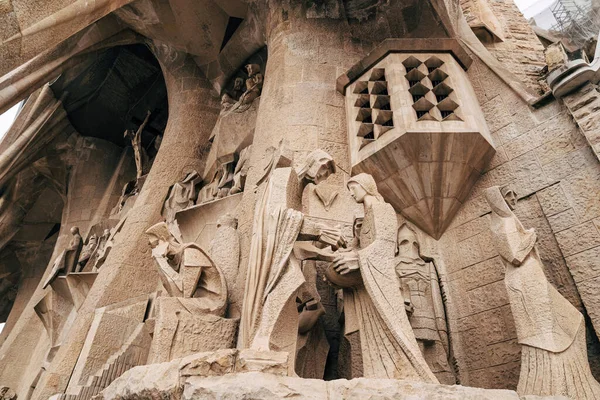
x=191, y=318
x=551, y=330
x=373, y=297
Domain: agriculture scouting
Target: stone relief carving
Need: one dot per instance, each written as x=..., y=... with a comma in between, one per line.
x=141, y=157
x=241, y=98
x=66, y=262
x=228, y=179
x=88, y=250
x=270, y=319
x=191, y=319
x=424, y=305
x=107, y=242
x=225, y=250
x=187, y=271
x=229, y=99
x=372, y=293
x=241, y=171
x=182, y=195
x=551, y=330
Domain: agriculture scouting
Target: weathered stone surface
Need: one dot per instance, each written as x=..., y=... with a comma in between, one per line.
x=256, y=385
x=159, y=68
x=7, y=393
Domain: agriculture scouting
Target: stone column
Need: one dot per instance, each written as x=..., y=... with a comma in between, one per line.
x=299, y=103
x=129, y=270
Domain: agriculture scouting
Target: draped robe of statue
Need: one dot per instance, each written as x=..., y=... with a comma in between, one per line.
x=388, y=345
x=549, y=328
x=269, y=320
x=273, y=274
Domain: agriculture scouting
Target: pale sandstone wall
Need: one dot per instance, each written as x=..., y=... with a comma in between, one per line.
x=545, y=157
x=26, y=347
x=193, y=109
x=521, y=51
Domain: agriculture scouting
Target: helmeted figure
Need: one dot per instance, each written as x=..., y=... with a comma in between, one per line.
x=550, y=329
x=424, y=304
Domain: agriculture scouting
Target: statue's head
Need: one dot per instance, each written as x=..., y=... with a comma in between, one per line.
x=252, y=69
x=510, y=196
x=158, y=233
x=93, y=238
x=317, y=167
x=361, y=186
x=227, y=220
x=498, y=203
x=74, y=230
x=408, y=245
x=238, y=83
x=106, y=233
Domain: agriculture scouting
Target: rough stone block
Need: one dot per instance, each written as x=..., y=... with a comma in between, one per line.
x=563, y=220
x=578, y=238
x=553, y=200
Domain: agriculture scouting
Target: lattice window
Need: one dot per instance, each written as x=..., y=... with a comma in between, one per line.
x=374, y=111
x=432, y=96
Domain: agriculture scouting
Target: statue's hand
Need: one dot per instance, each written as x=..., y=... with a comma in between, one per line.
x=346, y=263
x=333, y=237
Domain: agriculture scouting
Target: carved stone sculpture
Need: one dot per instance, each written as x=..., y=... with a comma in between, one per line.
x=551, y=330
x=141, y=158
x=423, y=301
x=389, y=347
x=254, y=84
x=241, y=171
x=187, y=271
x=225, y=249
x=107, y=242
x=191, y=319
x=274, y=275
x=182, y=195
x=66, y=262
x=88, y=250
x=229, y=99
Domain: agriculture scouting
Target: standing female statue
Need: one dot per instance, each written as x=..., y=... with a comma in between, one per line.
x=388, y=345
x=549, y=328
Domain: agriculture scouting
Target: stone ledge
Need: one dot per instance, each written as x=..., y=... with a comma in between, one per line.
x=208, y=376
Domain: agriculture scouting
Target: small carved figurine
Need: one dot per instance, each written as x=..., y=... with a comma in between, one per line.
x=88, y=250
x=181, y=196
x=141, y=158
x=66, y=262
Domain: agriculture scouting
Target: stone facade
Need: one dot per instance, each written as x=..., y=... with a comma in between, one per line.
x=272, y=197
